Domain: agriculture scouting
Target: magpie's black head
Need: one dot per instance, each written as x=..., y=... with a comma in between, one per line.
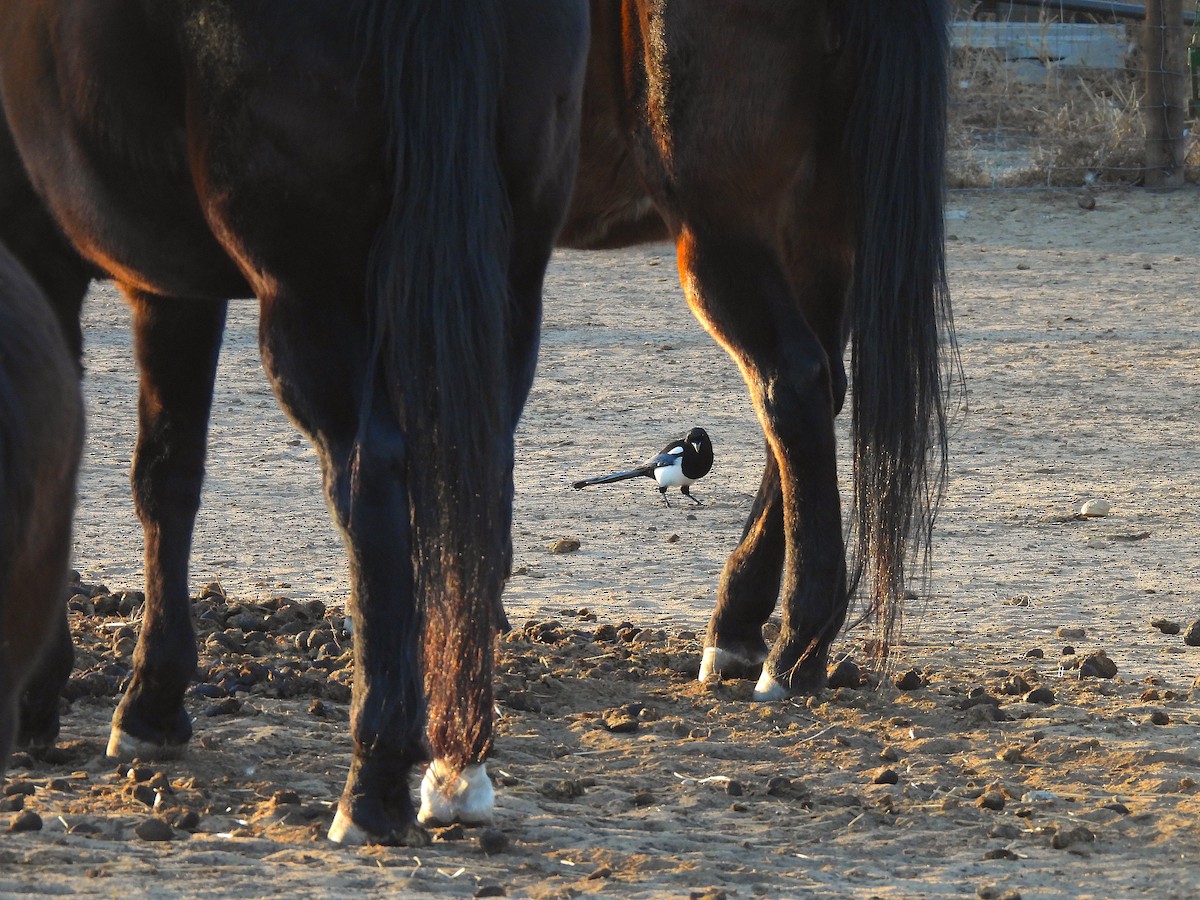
x=698, y=438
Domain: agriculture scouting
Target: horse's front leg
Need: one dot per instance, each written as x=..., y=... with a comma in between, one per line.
x=178, y=343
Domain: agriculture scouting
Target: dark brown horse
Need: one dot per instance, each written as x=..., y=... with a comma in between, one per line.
x=793, y=152
x=41, y=435
x=387, y=177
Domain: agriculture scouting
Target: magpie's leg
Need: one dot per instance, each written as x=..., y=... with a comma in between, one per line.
x=687, y=493
x=663, y=493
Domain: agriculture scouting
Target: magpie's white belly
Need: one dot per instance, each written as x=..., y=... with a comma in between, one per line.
x=672, y=476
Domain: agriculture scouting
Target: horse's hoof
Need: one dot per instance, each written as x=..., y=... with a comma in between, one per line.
x=469, y=798
x=344, y=831
x=730, y=663
x=122, y=745
x=768, y=688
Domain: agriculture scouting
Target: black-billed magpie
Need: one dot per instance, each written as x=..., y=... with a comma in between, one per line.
x=681, y=463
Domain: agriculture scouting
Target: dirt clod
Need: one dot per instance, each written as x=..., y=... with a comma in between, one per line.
x=26, y=820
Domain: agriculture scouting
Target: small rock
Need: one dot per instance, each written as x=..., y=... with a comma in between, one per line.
x=1086, y=201
x=1071, y=633
x=15, y=803
x=992, y=799
x=490, y=890
x=1097, y=665
x=734, y=788
x=27, y=788
x=1095, y=509
x=619, y=720
x=145, y=794
x=493, y=841
x=909, y=681
x=227, y=707
x=845, y=674
x=985, y=713
x=564, y=545
x=1035, y=653
x=1000, y=853
x=563, y=789
x=154, y=829
x=779, y=786
x=995, y=892
x=1040, y=695
x=885, y=775
x=212, y=590
x=1014, y=686
x=978, y=697
x=184, y=819
x=26, y=820
x=1166, y=626
x=1061, y=840
x=1159, y=717
x=642, y=798
x=1191, y=637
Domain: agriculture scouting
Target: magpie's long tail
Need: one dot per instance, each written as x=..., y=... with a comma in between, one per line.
x=616, y=476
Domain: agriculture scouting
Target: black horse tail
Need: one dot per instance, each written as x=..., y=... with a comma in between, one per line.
x=903, y=348
x=439, y=281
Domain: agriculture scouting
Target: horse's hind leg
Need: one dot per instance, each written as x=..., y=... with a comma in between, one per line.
x=365, y=461
x=751, y=580
x=747, y=298
x=749, y=587
x=178, y=343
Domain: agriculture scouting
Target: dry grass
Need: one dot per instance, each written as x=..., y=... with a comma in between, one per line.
x=1071, y=127
x=1019, y=124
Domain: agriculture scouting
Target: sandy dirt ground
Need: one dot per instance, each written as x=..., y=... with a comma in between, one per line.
x=1001, y=769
